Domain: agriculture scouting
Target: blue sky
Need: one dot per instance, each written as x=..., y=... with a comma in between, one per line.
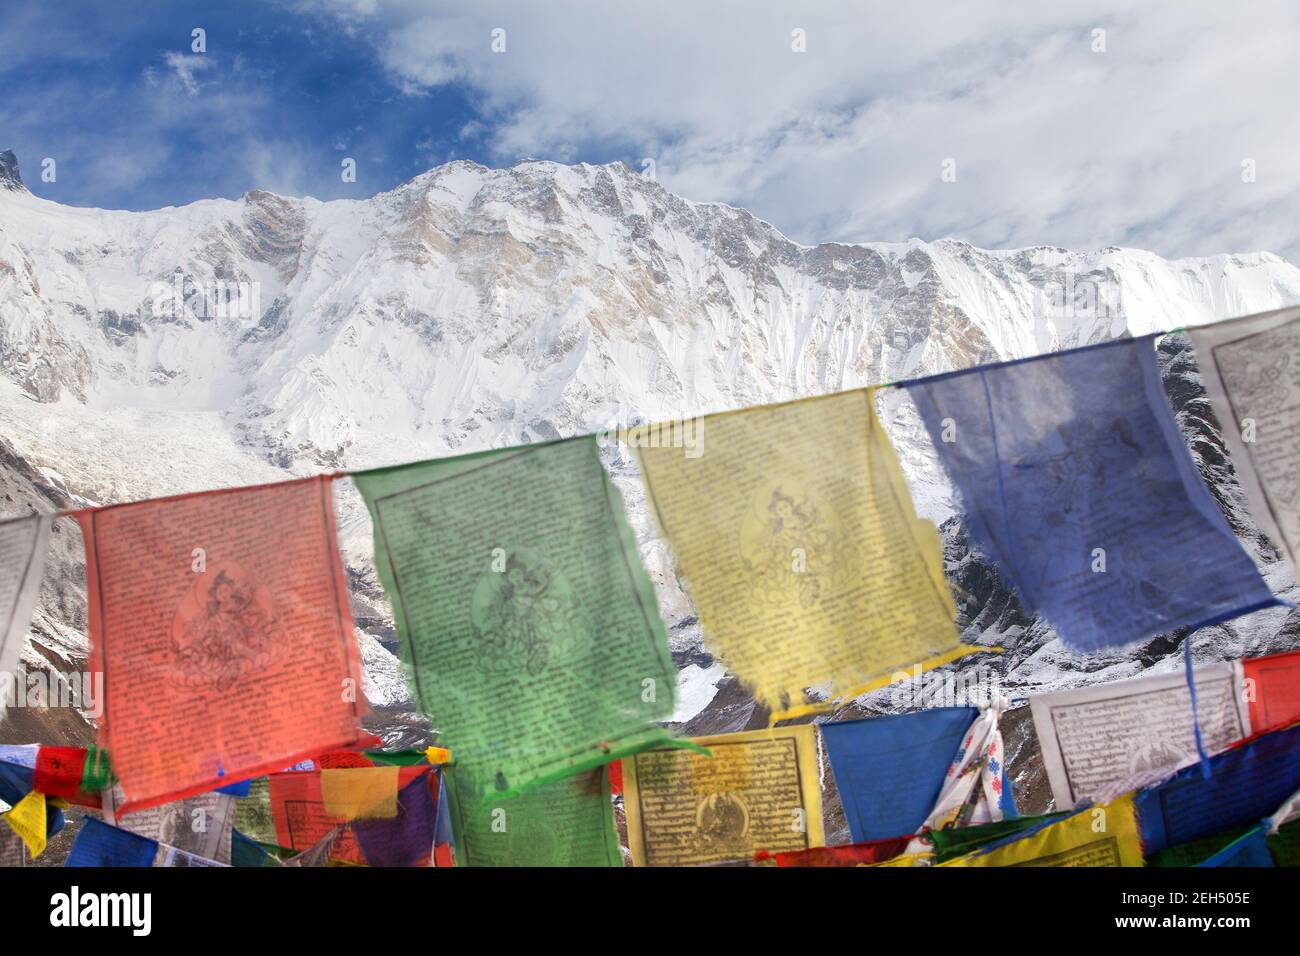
x=1171, y=125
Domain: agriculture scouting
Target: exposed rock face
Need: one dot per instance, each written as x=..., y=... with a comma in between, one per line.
x=235, y=342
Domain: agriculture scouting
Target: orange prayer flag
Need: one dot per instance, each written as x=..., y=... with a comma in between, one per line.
x=220, y=623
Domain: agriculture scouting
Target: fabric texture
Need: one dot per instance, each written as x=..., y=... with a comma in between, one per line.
x=796, y=537
x=1273, y=689
x=235, y=602
x=529, y=627
x=407, y=838
x=1075, y=479
x=891, y=770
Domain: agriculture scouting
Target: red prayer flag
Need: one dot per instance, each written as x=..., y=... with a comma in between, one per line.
x=58, y=771
x=220, y=622
x=852, y=854
x=1275, y=682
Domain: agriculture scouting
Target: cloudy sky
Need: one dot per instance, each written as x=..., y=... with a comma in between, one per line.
x=1168, y=126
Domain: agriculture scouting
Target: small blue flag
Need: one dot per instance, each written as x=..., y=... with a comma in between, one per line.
x=98, y=844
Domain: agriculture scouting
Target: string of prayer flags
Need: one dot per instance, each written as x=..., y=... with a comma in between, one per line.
x=220, y=622
x=569, y=822
x=851, y=854
x=1101, y=741
x=796, y=537
x=758, y=791
x=529, y=626
x=975, y=788
x=1076, y=480
x=22, y=561
x=1248, y=850
x=1247, y=782
x=1251, y=371
x=1273, y=690
x=1105, y=835
x=890, y=770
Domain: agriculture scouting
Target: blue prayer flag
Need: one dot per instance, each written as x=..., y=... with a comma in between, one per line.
x=1247, y=783
x=406, y=839
x=890, y=770
x=98, y=844
x=1076, y=480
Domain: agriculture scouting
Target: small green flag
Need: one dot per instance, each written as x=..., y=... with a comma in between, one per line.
x=529, y=627
x=568, y=822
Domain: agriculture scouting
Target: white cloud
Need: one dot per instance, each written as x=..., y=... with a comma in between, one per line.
x=1140, y=145
x=185, y=66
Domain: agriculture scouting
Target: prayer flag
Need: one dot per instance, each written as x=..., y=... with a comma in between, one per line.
x=530, y=628
x=975, y=787
x=22, y=560
x=220, y=621
x=27, y=819
x=569, y=822
x=1108, y=739
x=407, y=838
x=795, y=535
x=1251, y=370
x=1105, y=835
x=890, y=770
x=1076, y=480
x=99, y=844
x=200, y=824
x=1273, y=690
x=59, y=770
x=758, y=791
x=1247, y=782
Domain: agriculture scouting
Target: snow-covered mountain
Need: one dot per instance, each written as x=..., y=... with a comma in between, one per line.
x=237, y=341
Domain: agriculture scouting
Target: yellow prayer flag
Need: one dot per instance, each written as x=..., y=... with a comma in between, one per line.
x=360, y=793
x=906, y=859
x=27, y=819
x=759, y=790
x=1104, y=835
x=794, y=532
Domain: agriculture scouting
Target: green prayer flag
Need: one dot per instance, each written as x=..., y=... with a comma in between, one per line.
x=530, y=629
x=1197, y=851
x=97, y=771
x=568, y=822
x=1285, y=844
x=958, y=841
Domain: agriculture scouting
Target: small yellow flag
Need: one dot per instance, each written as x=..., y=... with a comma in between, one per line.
x=794, y=532
x=360, y=793
x=1104, y=835
x=27, y=819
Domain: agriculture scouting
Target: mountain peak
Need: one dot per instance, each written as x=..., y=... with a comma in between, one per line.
x=10, y=178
